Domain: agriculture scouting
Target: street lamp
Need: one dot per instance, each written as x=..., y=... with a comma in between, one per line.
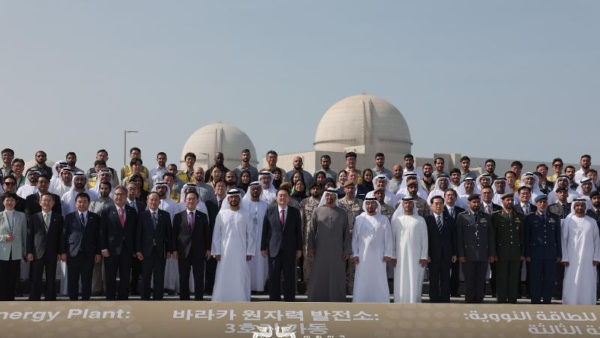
x=125, y=132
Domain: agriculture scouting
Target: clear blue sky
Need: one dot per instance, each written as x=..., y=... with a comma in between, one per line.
x=505, y=79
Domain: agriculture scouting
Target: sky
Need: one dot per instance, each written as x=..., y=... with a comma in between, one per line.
x=500, y=79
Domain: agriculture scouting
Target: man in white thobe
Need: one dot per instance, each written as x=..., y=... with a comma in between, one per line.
x=233, y=245
x=580, y=256
x=259, y=265
x=372, y=248
x=409, y=232
x=268, y=189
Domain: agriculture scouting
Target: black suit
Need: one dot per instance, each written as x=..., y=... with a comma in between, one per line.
x=32, y=204
x=154, y=241
x=191, y=244
x=455, y=274
x=282, y=242
x=119, y=241
x=45, y=247
x=442, y=246
x=136, y=264
x=81, y=244
x=517, y=207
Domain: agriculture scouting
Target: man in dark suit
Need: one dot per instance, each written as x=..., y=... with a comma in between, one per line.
x=442, y=250
x=594, y=212
x=450, y=207
x=561, y=208
x=80, y=247
x=192, y=237
x=524, y=206
x=10, y=185
x=32, y=202
x=542, y=250
x=154, y=246
x=282, y=242
x=118, y=244
x=43, y=244
x=139, y=207
x=476, y=246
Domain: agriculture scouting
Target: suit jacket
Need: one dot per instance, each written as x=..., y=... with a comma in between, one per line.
x=149, y=236
x=189, y=241
x=442, y=245
x=475, y=236
x=543, y=237
x=79, y=239
x=139, y=206
x=41, y=242
x=495, y=207
x=594, y=215
x=32, y=204
x=114, y=236
x=19, y=233
x=561, y=210
x=457, y=211
x=274, y=239
x=517, y=208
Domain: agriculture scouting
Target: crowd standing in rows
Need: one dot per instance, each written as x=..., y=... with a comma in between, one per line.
x=228, y=233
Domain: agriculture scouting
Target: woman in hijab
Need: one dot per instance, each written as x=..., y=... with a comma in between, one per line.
x=244, y=180
x=299, y=190
x=277, y=178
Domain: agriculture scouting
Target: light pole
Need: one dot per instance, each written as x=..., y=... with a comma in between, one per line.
x=125, y=132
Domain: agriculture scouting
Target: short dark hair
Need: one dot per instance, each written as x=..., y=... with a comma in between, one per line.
x=194, y=192
x=541, y=165
x=106, y=183
x=455, y=170
x=490, y=160
x=427, y=165
x=189, y=154
x=161, y=153
x=101, y=151
x=246, y=151
x=168, y=174
x=273, y=152
x=439, y=158
x=71, y=153
x=99, y=162
x=569, y=167
x=120, y=187
x=325, y=156
x=450, y=190
x=46, y=194
x=7, y=194
x=436, y=197
x=558, y=159
x=409, y=156
x=379, y=155
x=465, y=158
x=135, y=148
x=586, y=156
x=83, y=195
x=44, y=176
x=9, y=176
x=510, y=172
x=18, y=160
x=517, y=163
x=283, y=187
x=8, y=150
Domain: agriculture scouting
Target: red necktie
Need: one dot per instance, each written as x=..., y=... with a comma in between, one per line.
x=282, y=218
x=191, y=220
x=122, y=217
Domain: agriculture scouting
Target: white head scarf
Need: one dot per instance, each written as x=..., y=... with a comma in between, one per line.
x=325, y=193
x=478, y=180
x=535, y=190
x=400, y=210
x=437, y=191
x=497, y=199
x=233, y=192
x=390, y=198
x=584, y=180
x=248, y=197
x=56, y=170
x=370, y=197
x=96, y=187
x=403, y=190
x=579, y=200
x=463, y=192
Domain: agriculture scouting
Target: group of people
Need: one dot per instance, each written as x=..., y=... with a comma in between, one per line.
x=366, y=233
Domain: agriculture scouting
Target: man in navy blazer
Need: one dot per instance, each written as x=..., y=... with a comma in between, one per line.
x=118, y=244
x=282, y=241
x=80, y=247
x=43, y=247
x=441, y=236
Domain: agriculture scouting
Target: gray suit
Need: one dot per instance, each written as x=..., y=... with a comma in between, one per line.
x=14, y=250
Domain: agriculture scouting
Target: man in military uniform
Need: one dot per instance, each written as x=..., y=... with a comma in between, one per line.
x=386, y=210
x=412, y=187
x=542, y=250
x=476, y=246
x=593, y=212
x=508, y=228
x=307, y=206
x=353, y=207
